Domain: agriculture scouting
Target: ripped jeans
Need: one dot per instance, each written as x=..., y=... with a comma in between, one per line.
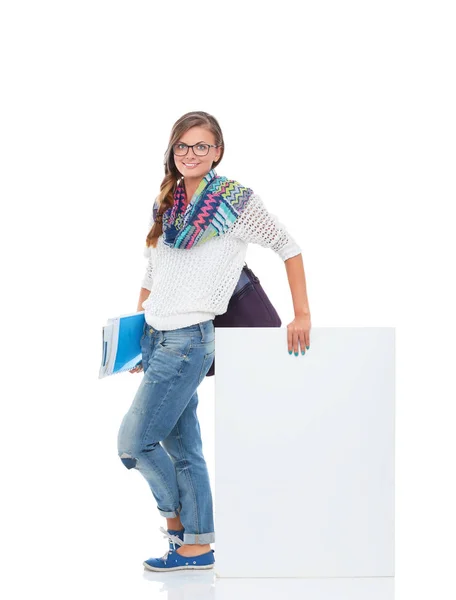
x=160, y=435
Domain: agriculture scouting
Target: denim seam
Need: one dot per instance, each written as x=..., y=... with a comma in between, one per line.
x=187, y=474
x=204, y=362
x=157, y=468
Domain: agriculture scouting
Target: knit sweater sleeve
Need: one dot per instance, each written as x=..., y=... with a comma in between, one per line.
x=257, y=225
x=147, y=280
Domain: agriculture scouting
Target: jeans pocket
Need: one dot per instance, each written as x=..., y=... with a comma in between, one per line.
x=208, y=359
x=176, y=345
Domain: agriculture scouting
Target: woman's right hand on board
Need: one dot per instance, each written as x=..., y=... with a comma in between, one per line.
x=137, y=369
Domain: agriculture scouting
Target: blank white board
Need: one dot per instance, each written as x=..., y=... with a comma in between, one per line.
x=304, y=453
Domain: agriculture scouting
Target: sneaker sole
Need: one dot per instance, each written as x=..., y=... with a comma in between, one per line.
x=180, y=568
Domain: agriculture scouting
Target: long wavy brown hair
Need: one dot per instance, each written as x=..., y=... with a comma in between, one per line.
x=172, y=177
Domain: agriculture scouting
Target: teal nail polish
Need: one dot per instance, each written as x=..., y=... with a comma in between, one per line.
x=290, y=351
x=296, y=353
x=303, y=352
x=307, y=347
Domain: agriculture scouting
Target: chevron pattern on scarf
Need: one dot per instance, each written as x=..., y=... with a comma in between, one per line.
x=214, y=207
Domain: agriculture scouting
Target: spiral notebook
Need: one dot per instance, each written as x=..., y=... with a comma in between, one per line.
x=121, y=349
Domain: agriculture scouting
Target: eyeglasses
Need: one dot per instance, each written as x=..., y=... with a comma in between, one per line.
x=199, y=149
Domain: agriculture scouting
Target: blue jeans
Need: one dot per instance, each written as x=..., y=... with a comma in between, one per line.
x=160, y=434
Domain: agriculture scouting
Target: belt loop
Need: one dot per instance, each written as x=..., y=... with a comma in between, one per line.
x=203, y=332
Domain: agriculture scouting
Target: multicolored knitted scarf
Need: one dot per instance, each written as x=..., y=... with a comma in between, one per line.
x=214, y=207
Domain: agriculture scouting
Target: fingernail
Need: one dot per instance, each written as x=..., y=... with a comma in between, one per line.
x=296, y=353
x=307, y=347
x=303, y=351
x=290, y=351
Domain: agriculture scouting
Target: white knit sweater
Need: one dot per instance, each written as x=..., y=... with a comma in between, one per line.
x=193, y=285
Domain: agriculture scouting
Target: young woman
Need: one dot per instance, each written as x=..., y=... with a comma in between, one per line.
x=196, y=248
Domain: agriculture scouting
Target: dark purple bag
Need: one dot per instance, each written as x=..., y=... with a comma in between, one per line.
x=248, y=307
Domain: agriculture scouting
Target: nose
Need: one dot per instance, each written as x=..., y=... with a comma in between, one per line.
x=188, y=153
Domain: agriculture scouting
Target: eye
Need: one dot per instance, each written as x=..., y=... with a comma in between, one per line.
x=202, y=147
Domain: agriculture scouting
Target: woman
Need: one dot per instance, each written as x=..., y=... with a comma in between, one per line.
x=196, y=248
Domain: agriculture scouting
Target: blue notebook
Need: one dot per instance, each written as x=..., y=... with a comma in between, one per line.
x=121, y=350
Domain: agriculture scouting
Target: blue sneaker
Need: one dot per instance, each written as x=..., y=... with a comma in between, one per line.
x=172, y=561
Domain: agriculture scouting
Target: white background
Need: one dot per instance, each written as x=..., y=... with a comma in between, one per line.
x=341, y=116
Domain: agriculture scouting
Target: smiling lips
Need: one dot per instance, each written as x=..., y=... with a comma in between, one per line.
x=190, y=165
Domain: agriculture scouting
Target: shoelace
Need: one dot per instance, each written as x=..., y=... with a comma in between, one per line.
x=174, y=538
